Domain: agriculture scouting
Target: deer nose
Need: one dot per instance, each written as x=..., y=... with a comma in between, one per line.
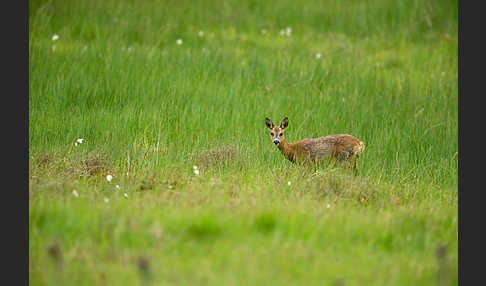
x=276, y=141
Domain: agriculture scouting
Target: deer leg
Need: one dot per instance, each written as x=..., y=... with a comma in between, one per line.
x=354, y=165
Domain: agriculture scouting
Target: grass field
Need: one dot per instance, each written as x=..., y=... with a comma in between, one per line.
x=157, y=87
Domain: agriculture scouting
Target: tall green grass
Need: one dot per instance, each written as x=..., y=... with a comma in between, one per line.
x=149, y=109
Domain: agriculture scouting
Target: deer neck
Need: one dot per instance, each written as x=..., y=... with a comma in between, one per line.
x=287, y=150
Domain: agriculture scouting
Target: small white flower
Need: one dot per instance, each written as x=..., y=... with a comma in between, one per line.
x=318, y=55
x=109, y=178
x=55, y=37
x=289, y=183
x=117, y=187
x=328, y=206
x=288, y=31
x=170, y=186
x=196, y=172
x=125, y=195
x=75, y=193
x=78, y=141
x=179, y=42
x=195, y=167
x=106, y=200
x=200, y=34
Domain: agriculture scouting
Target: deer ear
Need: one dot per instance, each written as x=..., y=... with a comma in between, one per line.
x=269, y=123
x=284, y=123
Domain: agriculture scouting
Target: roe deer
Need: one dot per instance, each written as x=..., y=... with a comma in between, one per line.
x=342, y=148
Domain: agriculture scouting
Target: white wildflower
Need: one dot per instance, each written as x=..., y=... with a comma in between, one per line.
x=106, y=200
x=195, y=167
x=179, y=42
x=170, y=186
x=78, y=141
x=196, y=172
x=288, y=31
x=125, y=195
x=109, y=178
x=289, y=183
x=55, y=37
x=328, y=206
x=75, y=193
x=117, y=187
x=318, y=55
x=200, y=34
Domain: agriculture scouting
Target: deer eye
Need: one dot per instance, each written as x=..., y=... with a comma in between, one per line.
x=271, y=133
x=281, y=134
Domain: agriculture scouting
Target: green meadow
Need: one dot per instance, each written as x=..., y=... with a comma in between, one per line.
x=157, y=88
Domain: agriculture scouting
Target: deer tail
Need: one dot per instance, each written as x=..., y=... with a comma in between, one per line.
x=358, y=149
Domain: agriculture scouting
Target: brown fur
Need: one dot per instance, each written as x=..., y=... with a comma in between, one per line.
x=343, y=148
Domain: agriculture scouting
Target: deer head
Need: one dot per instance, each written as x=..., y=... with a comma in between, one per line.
x=277, y=132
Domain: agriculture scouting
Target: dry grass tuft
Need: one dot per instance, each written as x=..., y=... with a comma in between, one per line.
x=66, y=165
x=45, y=160
x=152, y=180
x=340, y=186
x=94, y=164
x=148, y=183
x=54, y=251
x=221, y=156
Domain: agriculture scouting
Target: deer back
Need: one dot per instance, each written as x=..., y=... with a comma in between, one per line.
x=341, y=146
